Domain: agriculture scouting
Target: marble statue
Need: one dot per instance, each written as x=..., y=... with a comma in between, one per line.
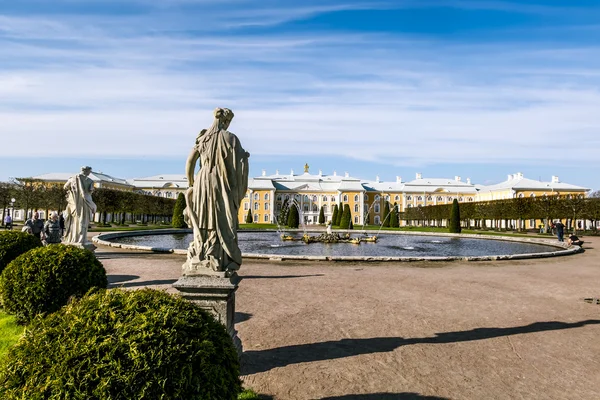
x=80, y=208
x=213, y=199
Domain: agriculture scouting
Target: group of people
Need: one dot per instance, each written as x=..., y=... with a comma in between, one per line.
x=560, y=233
x=49, y=232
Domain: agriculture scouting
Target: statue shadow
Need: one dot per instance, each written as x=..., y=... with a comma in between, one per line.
x=277, y=276
x=114, y=279
x=255, y=361
x=385, y=396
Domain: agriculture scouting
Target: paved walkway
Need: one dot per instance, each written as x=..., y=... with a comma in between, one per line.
x=460, y=330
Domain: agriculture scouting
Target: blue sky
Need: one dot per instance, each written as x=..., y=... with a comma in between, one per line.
x=478, y=89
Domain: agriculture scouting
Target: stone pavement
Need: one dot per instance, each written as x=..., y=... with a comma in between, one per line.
x=457, y=330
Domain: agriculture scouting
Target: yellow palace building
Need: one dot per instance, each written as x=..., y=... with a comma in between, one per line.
x=268, y=194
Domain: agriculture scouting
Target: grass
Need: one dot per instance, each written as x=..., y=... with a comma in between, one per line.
x=10, y=332
x=258, y=226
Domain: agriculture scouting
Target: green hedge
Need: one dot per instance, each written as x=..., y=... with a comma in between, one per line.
x=118, y=344
x=43, y=279
x=13, y=244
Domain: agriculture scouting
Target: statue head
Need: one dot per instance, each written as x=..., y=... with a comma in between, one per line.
x=224, y=115
x=86, y=170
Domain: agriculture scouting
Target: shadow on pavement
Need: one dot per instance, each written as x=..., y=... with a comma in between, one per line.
x=277, y=276
x=255, y=361
x=112, y=279
x=142, y=283
x=241, y=317
x=385, y=396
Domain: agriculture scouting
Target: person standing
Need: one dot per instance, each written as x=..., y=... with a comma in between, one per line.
x=52, y=231
x=36, y=225
x=8, y=222
x=560, y=231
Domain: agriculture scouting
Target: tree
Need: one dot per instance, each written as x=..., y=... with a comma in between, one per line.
x=334, y=217
x=339, y=216
x=386, y=214
x=346, y=218
x=394, y=217
x=321, y=216
x=249, y=217
x=178, y=221
x=454, y=223
x=293, y=217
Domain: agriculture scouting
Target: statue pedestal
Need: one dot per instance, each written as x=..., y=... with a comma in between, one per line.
x=87, y=245
x=215, y=294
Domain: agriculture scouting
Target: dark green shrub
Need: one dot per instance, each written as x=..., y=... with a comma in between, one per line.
x=13, y=244
x=394, y=223
x=346, y=218
x=178, y=220
x=119, y=344
x=386, y=214
x=334, y=217
x=454, y=222
x=249, y=217
x=293, y=217
x=338, y=222
x=43, y=279
x=321, y=216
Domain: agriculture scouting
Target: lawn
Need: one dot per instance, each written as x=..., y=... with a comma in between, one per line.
x=10, y=332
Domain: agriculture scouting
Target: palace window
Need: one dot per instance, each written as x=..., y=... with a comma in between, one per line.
x=333, y=198
x=246, y=206
x=356, y=198
x=470, y=199
x=315, y=199
x=325, y=208
x=356, y=219
x=255, y=196
x=306, y=198
x=396, y=198
x=450, y=198
x=569, y=197
x=278, y=207
x=256, y=206
x=255, y=217
x=266, y=196
x=532, y=195
x=366, y=198
x=169, y=195
x=387, y=198
x=460, y=199
x=266, y=217
x=377, y=220
x=345, y=198
x=278, y=197
x=376, y=208
x=408, y=197
x=440, y=198
x=246, y=196
x=521, y=195
x=419, y=198
x=324, y=198
x=356, y=208
x=408, y=205
x=580, y=196
x=305, y=207
x=297, y=196
x=429, y=198
x=315, y=208
x=377, y=197
x=266, y=206
x=287, y=196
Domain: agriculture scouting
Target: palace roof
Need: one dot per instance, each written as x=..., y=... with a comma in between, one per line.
x=160, y=181
x=94, y=176
x=519, y=182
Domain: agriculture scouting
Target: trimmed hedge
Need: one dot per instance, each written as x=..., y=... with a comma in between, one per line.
x=13, y=244
x=119, y=344
x=178, y=220
x=43, y=279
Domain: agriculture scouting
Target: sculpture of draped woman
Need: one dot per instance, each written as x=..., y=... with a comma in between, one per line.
x=80, y=207
x=213, y=198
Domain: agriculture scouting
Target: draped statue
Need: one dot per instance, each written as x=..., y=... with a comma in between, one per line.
x=213, y=199
x=80, y=208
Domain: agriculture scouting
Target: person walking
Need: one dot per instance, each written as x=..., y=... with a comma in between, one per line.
x=52, y=231
x=560, y=231
x=8, y=222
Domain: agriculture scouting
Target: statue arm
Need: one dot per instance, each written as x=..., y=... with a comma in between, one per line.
x=190, y=166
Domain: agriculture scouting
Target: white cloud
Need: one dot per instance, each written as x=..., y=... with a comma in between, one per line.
x=78, y=86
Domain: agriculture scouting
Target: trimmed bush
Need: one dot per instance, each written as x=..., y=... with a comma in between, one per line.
x=334, y=217
x=43, y=279
x=13, y=244
x=293, y=217
x=386, y=214
x=454, y=222
x=119, y=344
x=394, y=223
x=346, y=218
x=321, y=216
x=249, y=217
x=178, y=221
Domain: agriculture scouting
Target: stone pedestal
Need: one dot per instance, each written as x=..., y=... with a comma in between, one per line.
x=87, y=245
x=215, y=294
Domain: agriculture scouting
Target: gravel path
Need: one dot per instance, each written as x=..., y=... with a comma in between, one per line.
x=459, y=330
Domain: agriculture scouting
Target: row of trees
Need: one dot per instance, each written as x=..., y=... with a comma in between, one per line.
x=517, y=210
x=33, y=195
